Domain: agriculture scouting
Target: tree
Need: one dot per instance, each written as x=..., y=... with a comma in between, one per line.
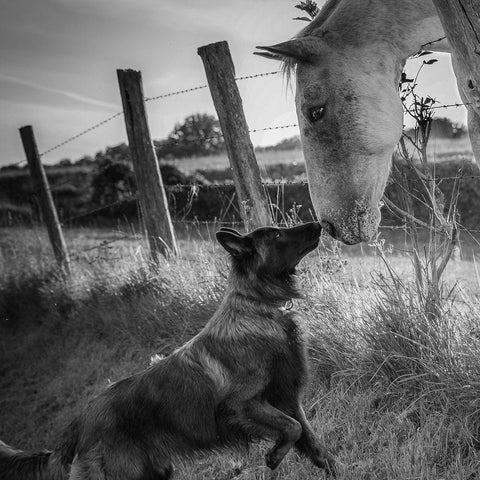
x=65, y=162
x=444, y=128
x=86, y=160
x=114, y=182
x=199, y=134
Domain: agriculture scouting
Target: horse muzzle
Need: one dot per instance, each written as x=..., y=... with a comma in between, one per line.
x=351, y=225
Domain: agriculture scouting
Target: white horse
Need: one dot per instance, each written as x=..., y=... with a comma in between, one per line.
x=348, y=63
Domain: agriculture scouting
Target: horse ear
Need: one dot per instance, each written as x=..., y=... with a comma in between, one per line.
x=300, y=49
x=234, y=243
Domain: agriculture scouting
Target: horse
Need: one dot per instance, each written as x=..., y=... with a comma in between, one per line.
x=348, y=63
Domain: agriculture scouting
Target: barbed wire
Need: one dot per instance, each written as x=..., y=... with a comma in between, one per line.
x=181, y=92
x=146, y=99
x=257, y=75
x=105, y=243
x=451, y=105
x=172, y=94
x=84, y=132
x=255, y=130
x=99, y=209
x=174, y=141
x=276, y=183
x=195, y=188
x=201, y=87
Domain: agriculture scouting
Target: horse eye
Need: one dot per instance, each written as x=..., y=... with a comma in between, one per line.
x=316, y=113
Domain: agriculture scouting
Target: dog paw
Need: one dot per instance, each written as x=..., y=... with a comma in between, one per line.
x=271, y=460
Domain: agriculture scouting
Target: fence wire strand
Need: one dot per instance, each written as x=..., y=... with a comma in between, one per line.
x=146, y=99
x=84, y=132
x=181, y=92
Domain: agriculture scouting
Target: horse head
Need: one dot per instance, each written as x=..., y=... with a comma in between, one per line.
x=350, y=119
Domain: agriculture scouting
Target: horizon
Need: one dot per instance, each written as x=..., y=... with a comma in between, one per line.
x=62, y=80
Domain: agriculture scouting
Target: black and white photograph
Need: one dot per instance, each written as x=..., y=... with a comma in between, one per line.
x=239, y=240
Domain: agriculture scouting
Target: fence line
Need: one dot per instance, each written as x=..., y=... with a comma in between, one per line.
x=451, y=105
x=201, y=87
x=194, y=188
x=147, y=99
x=181, y=92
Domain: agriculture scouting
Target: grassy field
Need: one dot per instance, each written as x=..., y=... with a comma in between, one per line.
x=394, y=391
x=438, y=149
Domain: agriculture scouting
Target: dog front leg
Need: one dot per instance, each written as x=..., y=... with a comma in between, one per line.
x=309, y=445
x=288, y=429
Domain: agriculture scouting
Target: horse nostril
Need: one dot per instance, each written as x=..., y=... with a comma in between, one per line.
x=328, y=227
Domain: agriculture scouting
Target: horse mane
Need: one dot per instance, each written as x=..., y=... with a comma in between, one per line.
x=289, y=64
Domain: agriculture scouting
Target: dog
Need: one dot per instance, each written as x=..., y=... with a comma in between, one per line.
x=240, y=378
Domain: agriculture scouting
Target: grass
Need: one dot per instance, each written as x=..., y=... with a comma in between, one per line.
x=220, y=162
x=394, y=393
x=439, y=149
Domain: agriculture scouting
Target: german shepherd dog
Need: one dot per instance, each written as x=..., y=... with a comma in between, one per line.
x=240, y=378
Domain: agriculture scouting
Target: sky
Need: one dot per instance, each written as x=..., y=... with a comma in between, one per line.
x=58, y=62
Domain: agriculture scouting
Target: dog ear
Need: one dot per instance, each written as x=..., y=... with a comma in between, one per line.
x=234, y=243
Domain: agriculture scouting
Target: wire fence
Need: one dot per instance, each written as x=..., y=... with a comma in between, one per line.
x=147, y=99
x=193, y=189
x=182, y=92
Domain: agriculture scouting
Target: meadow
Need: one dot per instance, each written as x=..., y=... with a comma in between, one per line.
x=394, y=391
x=395, y=384
x=438, y=149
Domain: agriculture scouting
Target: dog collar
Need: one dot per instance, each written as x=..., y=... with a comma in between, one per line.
x=288, y=306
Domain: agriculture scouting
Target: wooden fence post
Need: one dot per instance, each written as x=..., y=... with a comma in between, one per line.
x=49, y=212
x=153, y=200
x=461, y=22
x=251, y=193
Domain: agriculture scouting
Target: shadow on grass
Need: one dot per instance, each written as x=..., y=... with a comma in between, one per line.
x=59, y=346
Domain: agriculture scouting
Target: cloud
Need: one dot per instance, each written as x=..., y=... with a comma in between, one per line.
x=71, y=95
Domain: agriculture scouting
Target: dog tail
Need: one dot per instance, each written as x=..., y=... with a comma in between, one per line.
x=18, y=465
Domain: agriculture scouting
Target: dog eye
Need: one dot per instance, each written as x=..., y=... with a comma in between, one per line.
x=278, y=235
x=316, y=113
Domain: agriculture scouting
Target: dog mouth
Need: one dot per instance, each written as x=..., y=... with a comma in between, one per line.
x=309, y=248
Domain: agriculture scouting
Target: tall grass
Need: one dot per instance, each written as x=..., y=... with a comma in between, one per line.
x=392, y=393
x=395, y=358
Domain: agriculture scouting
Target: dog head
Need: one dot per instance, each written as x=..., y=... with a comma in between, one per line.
x=270, y=251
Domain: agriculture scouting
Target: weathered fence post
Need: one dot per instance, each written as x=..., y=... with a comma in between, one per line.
x=228, y=103
x=49, y=212
x=461, y=22
x=153, y=200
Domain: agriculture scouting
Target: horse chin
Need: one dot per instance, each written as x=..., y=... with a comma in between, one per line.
x=353, y=228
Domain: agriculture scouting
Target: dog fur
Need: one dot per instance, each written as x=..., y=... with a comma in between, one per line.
x=240, y=378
